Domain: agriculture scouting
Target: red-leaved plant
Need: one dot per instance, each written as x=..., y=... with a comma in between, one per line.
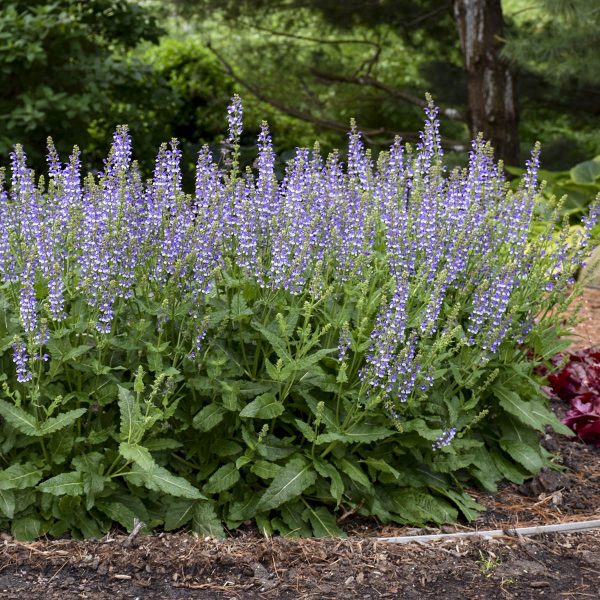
x=578, y=382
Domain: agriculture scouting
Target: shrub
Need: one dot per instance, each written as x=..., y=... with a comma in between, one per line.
x=360, y=340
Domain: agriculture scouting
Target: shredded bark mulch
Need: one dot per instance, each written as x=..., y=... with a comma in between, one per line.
x=248, y=566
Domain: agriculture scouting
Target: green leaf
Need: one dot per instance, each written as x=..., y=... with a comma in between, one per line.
x=239, y=307
x=179, y=511
x=289, y=483
x=420, y=507
x=118, y=512
x=306, y=430
x=530, y=412
x=327, y=470
x=359, y=434
x=266, y=406
x=273, y=448
x=76, y=352
x=7, y=503
x=265, y=469
x=27, y=528
x=21, y=420
x=323, y=522
x=65, y=484
x=524, y=454
x=277, y=342
x=383, y=466
x=205, y=520
x=230, y=393
x=222, y=479
x=469, y=507
x=132, y=422
x=291, y=513
x=353, y=471
x=137, y=454
x=161, y=480
x=508, y=469
x=60, y=421
x=19, y=477
x=210, y=416
x=586, y=173
x=155, y=444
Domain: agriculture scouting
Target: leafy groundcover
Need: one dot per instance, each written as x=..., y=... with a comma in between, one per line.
x=359, y=338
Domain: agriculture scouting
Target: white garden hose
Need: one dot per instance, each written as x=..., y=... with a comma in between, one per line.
x=517, y=531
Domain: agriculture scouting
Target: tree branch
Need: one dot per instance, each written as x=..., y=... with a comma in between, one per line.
x=450, y=113
x=368, y=134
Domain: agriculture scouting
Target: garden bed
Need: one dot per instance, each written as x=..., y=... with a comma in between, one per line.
x=246, y=565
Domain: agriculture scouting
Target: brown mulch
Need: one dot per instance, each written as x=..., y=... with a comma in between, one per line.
x=247, y=566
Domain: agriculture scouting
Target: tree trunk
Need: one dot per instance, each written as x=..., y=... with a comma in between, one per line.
x=491, y=86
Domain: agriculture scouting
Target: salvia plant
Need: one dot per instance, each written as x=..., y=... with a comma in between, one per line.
x=360, y=339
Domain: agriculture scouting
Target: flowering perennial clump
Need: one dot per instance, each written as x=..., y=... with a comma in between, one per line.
x=382, y=319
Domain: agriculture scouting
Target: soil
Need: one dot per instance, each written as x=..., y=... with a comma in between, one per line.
x=248, y=566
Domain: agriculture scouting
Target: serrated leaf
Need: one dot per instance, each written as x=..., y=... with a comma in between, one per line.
x=76, y=352
x=325, y=469
x=7, y=503
x=362, y=433
x=244, y=509
x=420, y=507
x=209, y=417
x=179, y=511
x=21, y=420
x=306, y=430
x=525, y=455
x=222, y=479
x=205, y=520
x=353, y=471
x=323, y=522
x=27, y=528
x=291, y=513
x=132, y=421
x=295, y=477
x=61, y=421
x=161, y=480
x=265, y=469
x=508, y=470
x=277, y=342
x=117, y=512
x=64, y=484
x=469, y=507
x=19, y=477
x=266, y=406
x=137, y=454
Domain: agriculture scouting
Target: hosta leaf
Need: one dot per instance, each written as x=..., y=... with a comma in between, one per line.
x=210, y=416
x=61, y=421
x=178, y=512
x=323, y=522
x=524, y=454
x=21, y=420
x=222, y=479
x=132, y=422
x=65, y=484
x=7, y=503
x=289, y=483
x=117, y=512
x=137, y=454
x=205, y=520
x=19, y=477
x=266, y=406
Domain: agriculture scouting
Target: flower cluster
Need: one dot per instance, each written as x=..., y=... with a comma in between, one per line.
x=429, y=242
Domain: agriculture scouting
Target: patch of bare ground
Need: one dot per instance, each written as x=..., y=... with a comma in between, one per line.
x=247, y=566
